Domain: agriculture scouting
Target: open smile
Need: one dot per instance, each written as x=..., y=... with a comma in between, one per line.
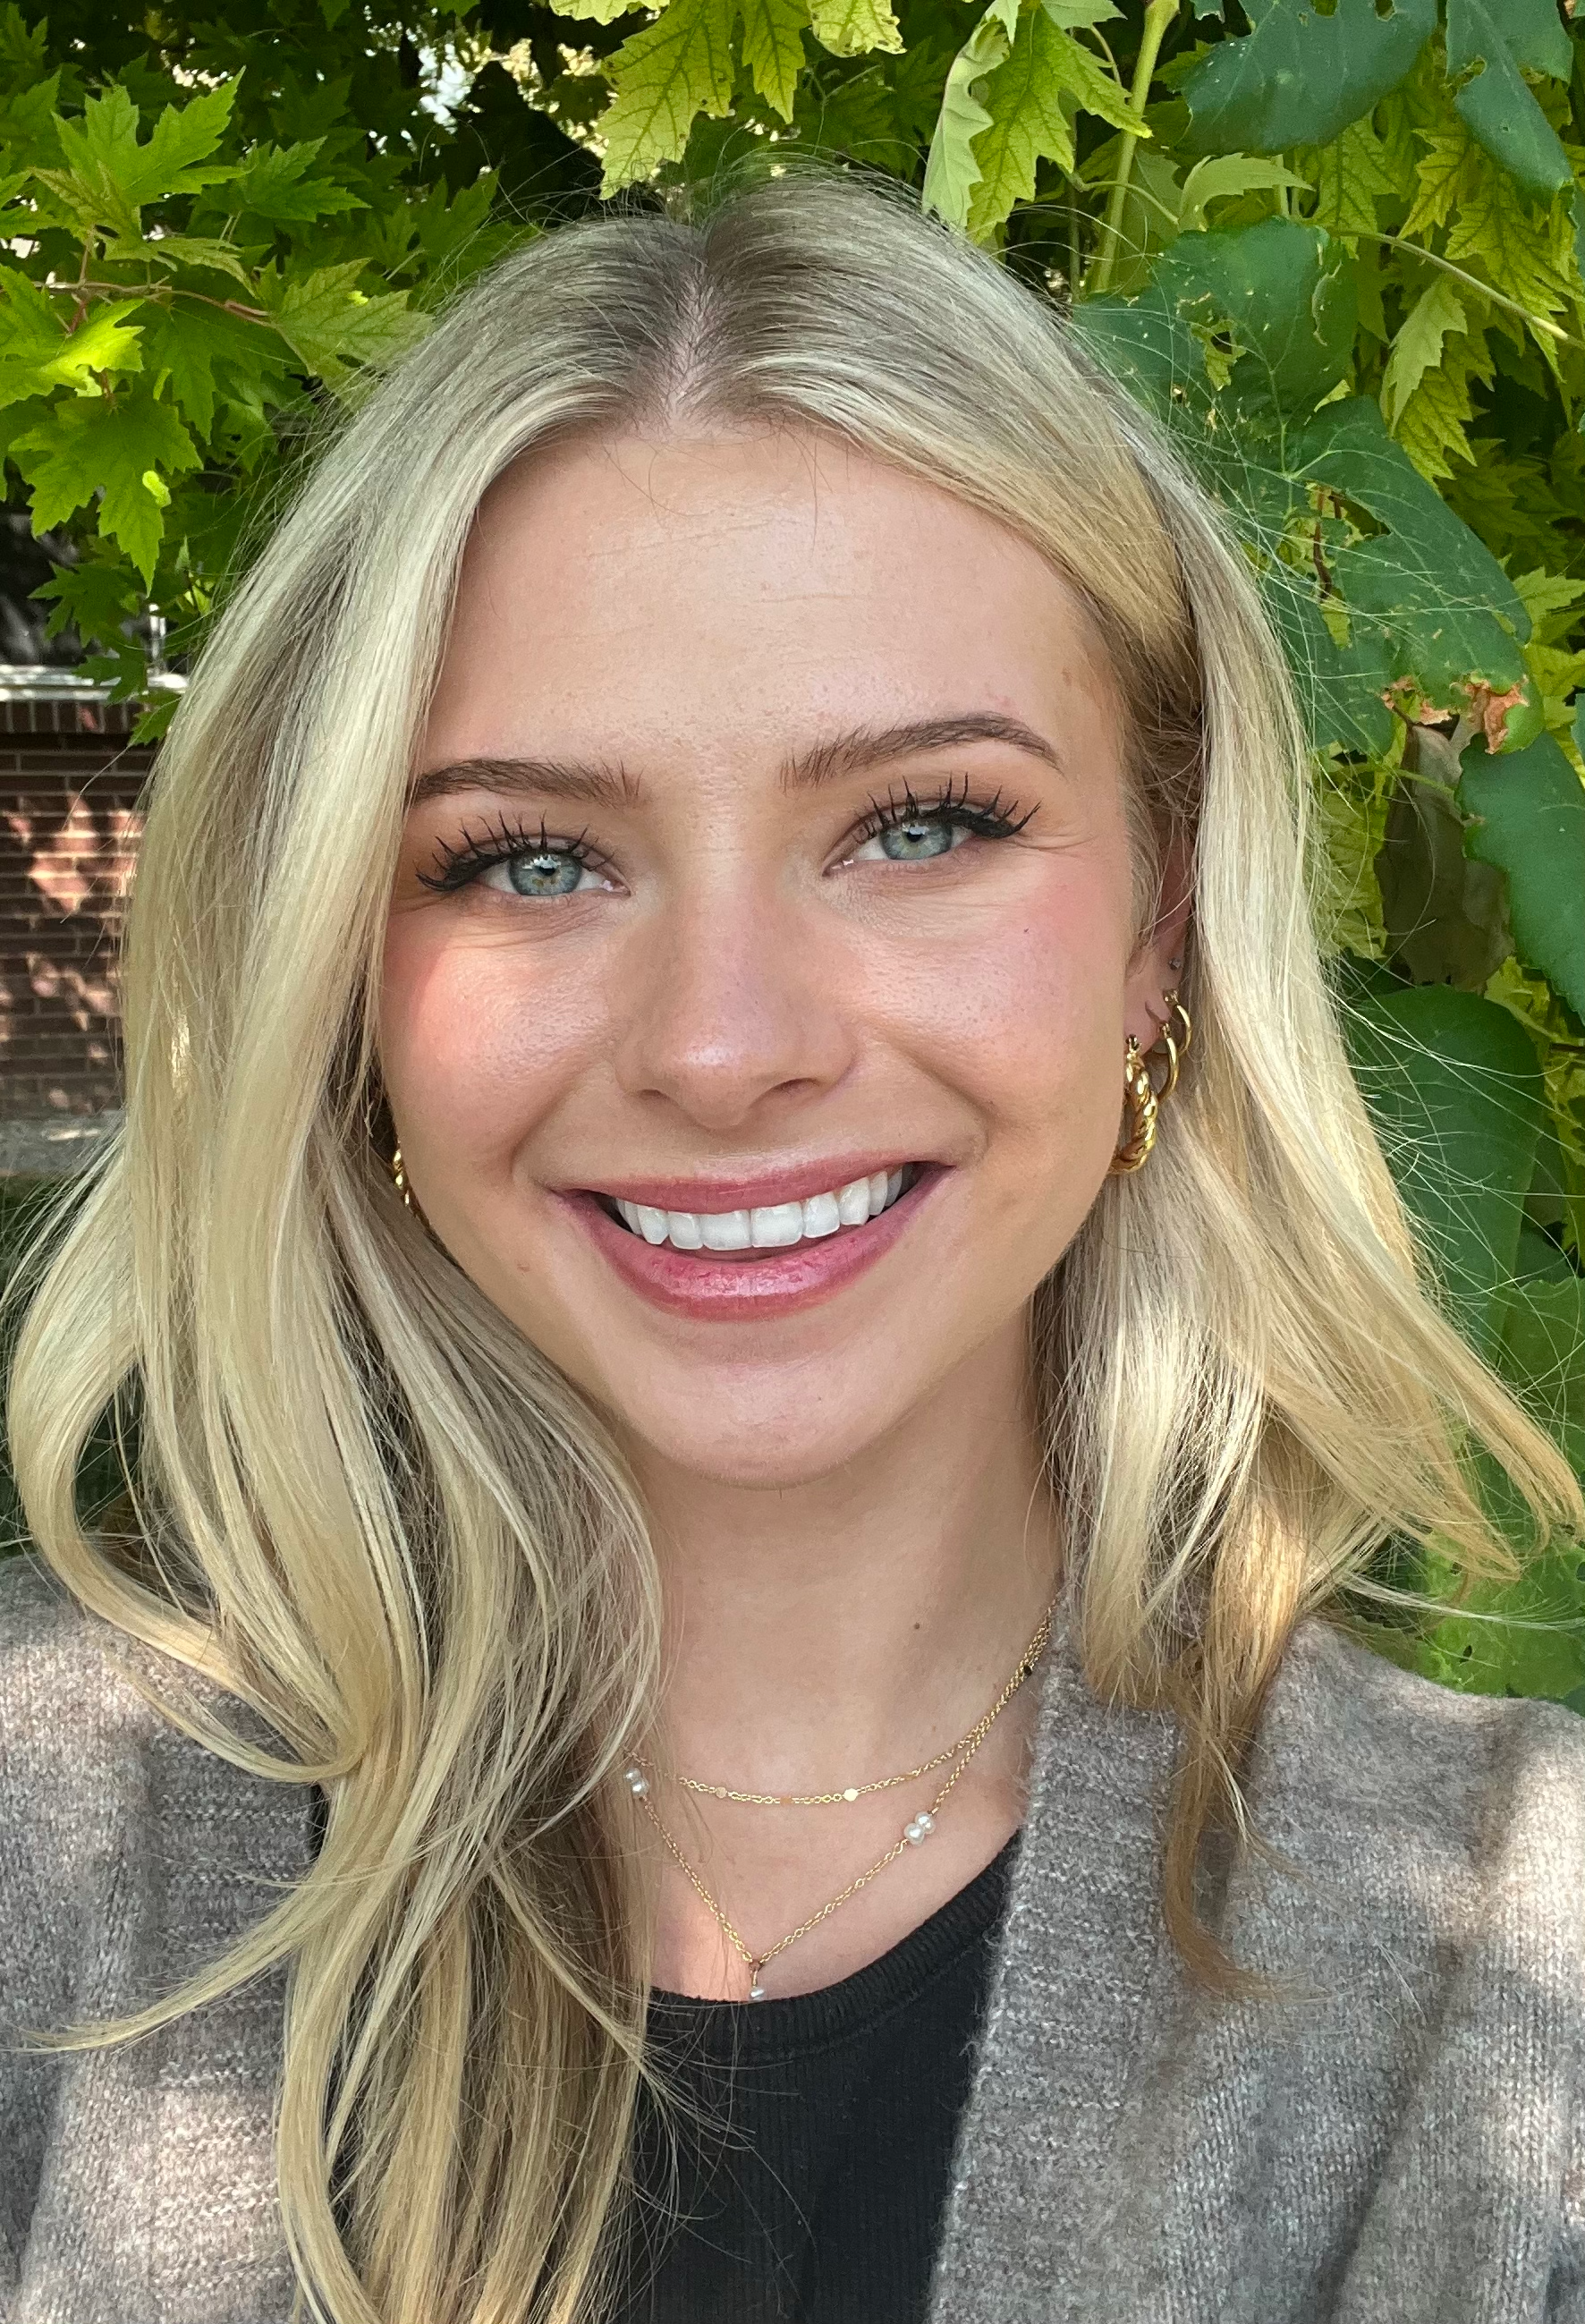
x=768, y=1226
x=753, y=1261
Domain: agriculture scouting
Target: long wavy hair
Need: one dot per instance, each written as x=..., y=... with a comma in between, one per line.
x=368, y=1509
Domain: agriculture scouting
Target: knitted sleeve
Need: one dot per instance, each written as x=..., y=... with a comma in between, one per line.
x=59, y=1861
x=137, y=2179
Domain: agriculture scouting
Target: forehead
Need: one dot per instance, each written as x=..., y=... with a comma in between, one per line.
x=632, y=588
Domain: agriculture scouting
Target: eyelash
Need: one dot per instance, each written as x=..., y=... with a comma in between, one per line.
x=987, y=818
x=457, y=866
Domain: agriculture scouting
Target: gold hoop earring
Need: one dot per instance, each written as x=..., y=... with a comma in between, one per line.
x=1143, y=1099
x=1139, y=1097
x=399, y=1180
x=1175, y=1050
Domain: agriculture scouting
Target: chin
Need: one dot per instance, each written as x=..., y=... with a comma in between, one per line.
x=773, y=1443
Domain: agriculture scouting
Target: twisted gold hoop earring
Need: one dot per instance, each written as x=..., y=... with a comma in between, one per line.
x=1139, y=1097
x=1143, y=1099
x=399, y=1180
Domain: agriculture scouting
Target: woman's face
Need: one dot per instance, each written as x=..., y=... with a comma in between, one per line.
x=762, y=949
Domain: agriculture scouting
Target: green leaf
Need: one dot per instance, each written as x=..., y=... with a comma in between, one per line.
x=91, y=445
x=773, y=49
x=1432, y=426
x=1452, y=621
x=23, y=48
x=1542, y=1352
x=1342, y=688
x=1489, y=39
x=1221, y=177
x=851, y=28
x=1454, y=1088
x=194, y=353
x=109, y=175
x=1525, y=254
x=598, y=12
x=330, y=325
x=273, y=183
x=1024, y=98
x=1351, y=176
x=662, y=77
x=1298, y=78
x=171, y=252
x=28, y=136
x=1528, y=811
x=1446, y=917
x=96, y=594
x=1535, y=1645
x=1418, y=343
x=951, y=168
x=1287, y=293
x=39, y=355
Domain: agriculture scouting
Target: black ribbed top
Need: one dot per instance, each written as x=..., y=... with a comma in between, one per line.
x=813, y=2137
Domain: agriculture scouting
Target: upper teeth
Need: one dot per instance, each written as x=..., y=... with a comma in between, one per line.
x=772, y=1226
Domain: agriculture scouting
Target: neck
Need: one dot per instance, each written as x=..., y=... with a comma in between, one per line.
x=828, y=1632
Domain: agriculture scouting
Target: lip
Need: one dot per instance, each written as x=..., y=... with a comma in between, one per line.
x=747, y=1290
x=795, y=1183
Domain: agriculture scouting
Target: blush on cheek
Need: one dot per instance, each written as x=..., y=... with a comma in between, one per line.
x=474, y=1054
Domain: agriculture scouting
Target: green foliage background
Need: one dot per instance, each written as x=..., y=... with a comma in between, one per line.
x=1339, y=247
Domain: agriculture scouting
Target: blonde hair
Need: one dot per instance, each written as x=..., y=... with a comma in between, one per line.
x=367, y=1509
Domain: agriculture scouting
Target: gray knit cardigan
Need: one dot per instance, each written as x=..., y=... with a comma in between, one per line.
x=1402, y=2146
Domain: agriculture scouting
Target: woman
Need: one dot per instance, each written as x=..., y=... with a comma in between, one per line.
x=735, y=1144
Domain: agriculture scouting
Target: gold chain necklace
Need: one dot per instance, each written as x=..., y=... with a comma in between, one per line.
x=914, y=1834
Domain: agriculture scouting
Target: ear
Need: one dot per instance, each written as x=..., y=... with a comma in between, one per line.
x=1157, y=966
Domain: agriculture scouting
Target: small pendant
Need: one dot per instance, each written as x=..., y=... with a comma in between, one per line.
x=755, y=1991
x=850, y=1792
x=636, y=1782
x=920, y=1829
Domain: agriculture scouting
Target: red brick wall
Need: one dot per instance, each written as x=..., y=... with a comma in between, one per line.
x=68, y=830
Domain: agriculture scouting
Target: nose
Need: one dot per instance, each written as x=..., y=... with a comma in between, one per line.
x=730, y=1007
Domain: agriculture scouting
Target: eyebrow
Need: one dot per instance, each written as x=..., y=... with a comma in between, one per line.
x=867, y=746
x=599, y=783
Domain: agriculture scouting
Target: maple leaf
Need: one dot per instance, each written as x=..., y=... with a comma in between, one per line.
x=1431, y=425
x=1351, y=176
x=1444, y=179
x=1525, y=253
x=121, y=452
x=330, y=325
x=851, y=28
x=598, y=12
x=773, y=49
x=197, y=354
x=109, y=175
x=662, y=78
x=274, y=183
x=39, y=354
x=1418, y=343
x=1028, y=120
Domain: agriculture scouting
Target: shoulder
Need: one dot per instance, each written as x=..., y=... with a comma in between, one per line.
x=1435, y=1809
x=109, y=1811
x=60, y=1683
x=1392, y=1741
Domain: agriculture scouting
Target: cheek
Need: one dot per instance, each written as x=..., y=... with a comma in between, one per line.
x=476, y=1044
x=1025, y=1014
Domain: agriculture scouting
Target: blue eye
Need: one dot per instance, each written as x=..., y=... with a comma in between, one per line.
x=516, y=863
x=913, y=841
x=909, y=830
x=547, y=872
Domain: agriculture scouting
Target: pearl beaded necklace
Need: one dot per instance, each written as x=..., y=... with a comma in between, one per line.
x=914, y=1833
